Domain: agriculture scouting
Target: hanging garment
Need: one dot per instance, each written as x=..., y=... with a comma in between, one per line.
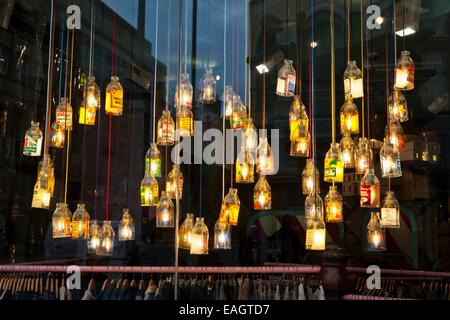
x=109, y=290
x=301, y=292
x=62, y=293
x=151, y=291
x=287, y=295
x=88, y=296
x=319, y=293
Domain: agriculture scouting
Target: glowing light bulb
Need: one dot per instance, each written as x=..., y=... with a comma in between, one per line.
x=165, y=216
x=222, y=237
x=310, y=183
x=46, y=196
x=376, y=239
x=107, y=244
x=244, y=170
x=95, y=242
x=349, y=123
x=153, y=167
x=148, y=195
x=261, y=200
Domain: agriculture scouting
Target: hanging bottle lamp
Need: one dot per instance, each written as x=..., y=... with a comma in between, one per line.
x=394, y=134
x=231, y=206
x=228, y=99
x=239, y=114
x=33, y=141
x=349, y=117
x=398, y=107
x=184, y=92
x=45, y=184
x=208, y=87
x=310, y=178
x=262, y=195
x=172, y=183
x=334, y=207
x=245, y=167
x=185, y=232
x=370, y=190
x=376, y=235
x=81, y=223
x=107, y=237
x=57, y=136
x=149, y=191
x=61, y=221
x=222, y=235
x=250, y=135
x=313, y=205
x=114, y=97
x=390, y=211
x=300, y=146
x=127, y=228
x=334, y=166
x=94, y=236
x=390, y=161
x=153, y=161
x=404, y=72
x=348, y=150
x=363, y=156
x=166, y=129
x=315, y=230
x=264, y=156
x=200, y=238
x=299, y=128
x=185, y=122
x=353, y=81
x=165, y=215
x=286, y=80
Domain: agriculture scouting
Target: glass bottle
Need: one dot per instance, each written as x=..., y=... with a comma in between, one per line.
x=394, y=133
x=166, y=130
x=64, y=115
x=390, y=161
x=185, y=91
x=390, y=211
x=239, y=114
x=185, y=232
x=301, y=145
x=334, y=167
x=404, y=72
x=313, y=206
x=250, y=135
x=398, y=107
x=80, y=223
x=349, y=117
x=222, y=235
x=228, y=99
x=200, y=238
x=153, y=161
x=127, y=228
x=57, y=136
x=149, y=191
x=363, y=156
x=245, y=167
x=286, y=80
x=334, y=206
x=185, y=122
x=94, y=236
x=33, y=141
x=353, y=81
x=298, y=117
x=370, y=190
x=262, y=195
x=348, y=149
x=264, y=156
x=231, y=206
x=208, y=87
x=315, y=233
x=171, y=183
x=114, y=97
x=310, y=178
x=165, y=216
x=61, y=221
x=91, y=102
x=376, y=236
x=106, y=240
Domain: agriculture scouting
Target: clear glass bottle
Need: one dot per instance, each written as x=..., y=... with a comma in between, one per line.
x=370, y=190
x=127, y=228
x=348, y=150
x=376, y=236
x=334, y=206
x=185, y=122
x=298, y=117
x=153, y=161
x=310, y=172
x=398, y=107
x=390, y=211
x=264, y=156
x=107, y=240
x=394, y=133
x=390, y=161
x=301, y=145
x=171, y=183
x=239, y=114
x=61, y=221
x=262, y=195
x=286, y=80
x=94, y=236
x=208, y=87
x=231, y=206
x=245, y=167
x=64, y=114
x=166, y=130
x=251, y=135
x=349, y=117
x=363, y=156
x=185, y=232
x=184, y=92
x=334, y=166
x=200, y=238
x=149, y=191
x=228, y=99
x=353, y=81
x=404, y=72
x=91, y=102
x=114, y=97
x=81, y=223
x=313, y=206
x=316, y=233
x=33, y=141
x=57, y=136
x=222, y=235
x=165, y=216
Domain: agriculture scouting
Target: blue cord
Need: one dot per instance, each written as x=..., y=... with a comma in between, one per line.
x=312, y=84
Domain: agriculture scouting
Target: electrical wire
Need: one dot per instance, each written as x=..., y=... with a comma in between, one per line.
x=155, y=70
x=332, y=75
x=264, y=74
x=362, y=72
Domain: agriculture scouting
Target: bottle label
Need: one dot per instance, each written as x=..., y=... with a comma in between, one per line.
x=245, y=176
x=369, y=196
x=238, y=121
x=37, y=197
x=32, y=147
x=290, y=83
x=87, y=118
x=64, y=119
x=390, y=217
x=330, y=168
x=281, y=86
x=167, y=132
x=233, y=215
x=295, y=125
x=114, y=101
x=262, y=201
x=185, y=126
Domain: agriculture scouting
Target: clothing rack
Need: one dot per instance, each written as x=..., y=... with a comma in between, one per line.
x=306, y=269
x=364, y=298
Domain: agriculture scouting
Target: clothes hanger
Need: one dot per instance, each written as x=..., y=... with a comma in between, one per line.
x=119, y=284
x=56, y=287
x=41, y=284
x=105, y=284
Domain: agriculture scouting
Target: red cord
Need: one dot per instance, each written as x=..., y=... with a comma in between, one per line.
x=108, y=177
x=113, y=53
x=310, y=92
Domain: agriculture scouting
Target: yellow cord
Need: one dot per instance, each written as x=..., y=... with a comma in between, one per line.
x=333, y=86
x=348, y=30
x=362, y=70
